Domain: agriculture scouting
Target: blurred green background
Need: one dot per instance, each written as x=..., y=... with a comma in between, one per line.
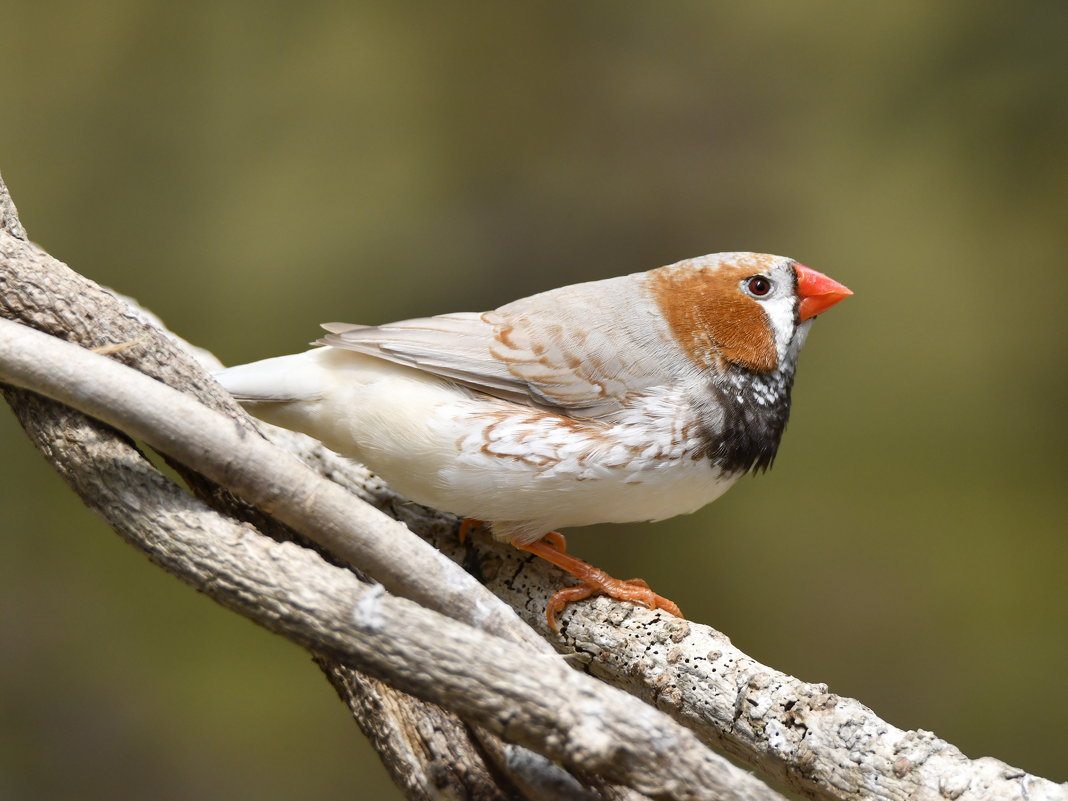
x=251, y=169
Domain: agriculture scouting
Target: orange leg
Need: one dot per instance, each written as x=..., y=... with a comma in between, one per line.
x=593, y=580
x=557, y=540
x=467, y=525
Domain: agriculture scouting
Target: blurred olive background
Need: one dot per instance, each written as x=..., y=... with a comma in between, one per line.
x=251, y=169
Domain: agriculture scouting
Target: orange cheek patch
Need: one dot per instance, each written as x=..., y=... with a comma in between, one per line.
x=710, y=317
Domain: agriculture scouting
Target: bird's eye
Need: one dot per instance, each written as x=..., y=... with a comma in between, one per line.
x=758, y=286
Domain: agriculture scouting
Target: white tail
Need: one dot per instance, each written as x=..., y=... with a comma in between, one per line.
x=283, y=378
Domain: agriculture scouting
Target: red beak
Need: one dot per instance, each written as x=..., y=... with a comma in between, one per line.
x=817, y=292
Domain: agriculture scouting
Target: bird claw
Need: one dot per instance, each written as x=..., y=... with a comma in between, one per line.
x=595, y=581
x=553, y=548
x=636, y=590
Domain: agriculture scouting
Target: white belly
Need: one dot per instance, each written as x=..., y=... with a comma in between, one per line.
x=526, y=471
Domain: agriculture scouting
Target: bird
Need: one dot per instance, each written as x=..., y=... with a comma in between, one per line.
x=627, y=399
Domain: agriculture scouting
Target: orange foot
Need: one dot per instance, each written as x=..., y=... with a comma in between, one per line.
x=553, y=548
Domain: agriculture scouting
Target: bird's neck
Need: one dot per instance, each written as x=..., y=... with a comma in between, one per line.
x=742, y=416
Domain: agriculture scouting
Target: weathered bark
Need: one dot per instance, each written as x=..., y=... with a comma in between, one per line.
x=821, y=744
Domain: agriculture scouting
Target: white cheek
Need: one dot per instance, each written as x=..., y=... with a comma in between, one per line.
x=780, y=312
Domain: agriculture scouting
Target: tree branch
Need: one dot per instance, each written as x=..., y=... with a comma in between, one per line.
x=821, y=744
